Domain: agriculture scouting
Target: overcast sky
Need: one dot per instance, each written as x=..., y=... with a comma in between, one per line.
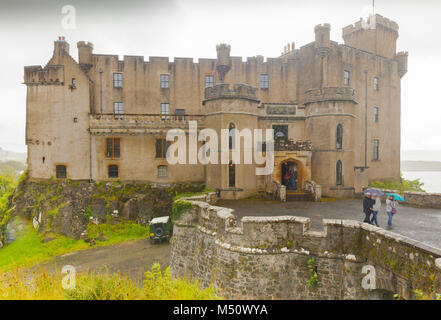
x=192, y=28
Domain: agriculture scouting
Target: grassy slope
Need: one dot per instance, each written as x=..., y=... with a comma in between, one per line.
x=28, y=249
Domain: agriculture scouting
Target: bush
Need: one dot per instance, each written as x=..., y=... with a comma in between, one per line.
x=400, y=186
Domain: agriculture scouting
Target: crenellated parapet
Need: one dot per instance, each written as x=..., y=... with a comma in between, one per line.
x=269, y=257
x=330, y=94
x=50, y=75
x=234, y=91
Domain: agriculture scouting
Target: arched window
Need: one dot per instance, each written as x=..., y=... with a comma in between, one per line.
x=339, y=136
x=231, y=174
x=231, y=135
x=339, y=173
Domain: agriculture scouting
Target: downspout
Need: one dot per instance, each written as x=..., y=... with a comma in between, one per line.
x=101, y=90
x=90, y=155
x=366, y=120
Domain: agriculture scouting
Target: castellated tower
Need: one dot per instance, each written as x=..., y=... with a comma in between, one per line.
x=377, y=35
x=231, y=106
x=85, y=50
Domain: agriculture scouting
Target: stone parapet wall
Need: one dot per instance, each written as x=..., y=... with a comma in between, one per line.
x=272, y=257
x=418, y=199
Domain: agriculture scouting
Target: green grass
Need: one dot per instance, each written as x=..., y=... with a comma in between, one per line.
x=157, y=285
x=125, y=231
x=28, y=250
x=190, y=194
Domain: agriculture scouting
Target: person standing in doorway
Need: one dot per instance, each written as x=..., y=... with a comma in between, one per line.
x=375, y=209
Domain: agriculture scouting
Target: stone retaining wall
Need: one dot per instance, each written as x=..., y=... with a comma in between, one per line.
x=276, y=257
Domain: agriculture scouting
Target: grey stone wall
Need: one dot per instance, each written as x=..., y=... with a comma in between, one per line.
x=267, y=257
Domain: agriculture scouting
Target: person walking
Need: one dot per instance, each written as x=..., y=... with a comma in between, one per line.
x=368, y=203
x=375, y=209
x=391, y=209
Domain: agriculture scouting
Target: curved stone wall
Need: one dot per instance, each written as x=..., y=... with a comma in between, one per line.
x=276, y=257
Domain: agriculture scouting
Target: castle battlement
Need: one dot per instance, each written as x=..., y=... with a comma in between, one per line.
x=379, y=21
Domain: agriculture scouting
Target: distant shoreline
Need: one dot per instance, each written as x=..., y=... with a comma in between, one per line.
x=421, y=166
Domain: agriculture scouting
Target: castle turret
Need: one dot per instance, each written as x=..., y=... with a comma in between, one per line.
x=85, y=50
x=377, y=35
x=223, y=60
x=322, y=35
x=60, y=47
x=401, y=57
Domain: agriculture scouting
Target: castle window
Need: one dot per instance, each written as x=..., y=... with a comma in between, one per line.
x=60, y=171
x=165, y=109
x=231, y=135
x=74, y=82
x=339, y=173
x=164, y=81
x=113, y=171
x=376, y=114
x=180, y=114
x=264, y=81
x=376, y=84
x=118, y=109
x=231, y=175
x=161, y=148
x=117, y=80
x=280, y=132
x=209, y=81
x=339, y=136
x=346, y=78
x=162, y=171
x=376, y=149
x=113, y=147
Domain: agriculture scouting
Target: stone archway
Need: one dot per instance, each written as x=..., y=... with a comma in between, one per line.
x=297, y=169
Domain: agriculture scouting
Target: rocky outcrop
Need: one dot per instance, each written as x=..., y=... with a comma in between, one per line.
x=67, y=207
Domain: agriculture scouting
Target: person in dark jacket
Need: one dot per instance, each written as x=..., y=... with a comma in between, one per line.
x=368, y=204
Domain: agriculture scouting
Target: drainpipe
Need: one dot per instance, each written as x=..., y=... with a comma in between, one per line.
x=366, y=120
x=90, y=155
x=101, y=90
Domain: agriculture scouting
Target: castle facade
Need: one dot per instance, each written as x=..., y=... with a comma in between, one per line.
x=335, y=110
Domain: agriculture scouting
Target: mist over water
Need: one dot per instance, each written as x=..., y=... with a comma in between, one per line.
x=431, y=179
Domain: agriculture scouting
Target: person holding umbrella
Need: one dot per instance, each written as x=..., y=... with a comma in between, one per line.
x=391, y=206
x=368, y=204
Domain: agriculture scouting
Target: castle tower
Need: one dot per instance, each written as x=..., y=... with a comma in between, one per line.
x=61, y=46
x=377, y=35
x=322, y=47
x=85, y=50
x=226, y=107
x=330, y=114
x=223, y=64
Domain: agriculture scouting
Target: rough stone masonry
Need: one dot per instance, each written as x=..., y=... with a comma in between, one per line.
x=280, y=258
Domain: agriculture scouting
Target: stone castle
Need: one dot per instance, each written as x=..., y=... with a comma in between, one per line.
x=335, y=110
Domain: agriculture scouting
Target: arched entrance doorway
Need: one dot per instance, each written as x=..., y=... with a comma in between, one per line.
x=291, y=175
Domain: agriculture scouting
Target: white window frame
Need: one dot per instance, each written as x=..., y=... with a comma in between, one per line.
x=165, y=110
x=164, y=81
x=117, y=80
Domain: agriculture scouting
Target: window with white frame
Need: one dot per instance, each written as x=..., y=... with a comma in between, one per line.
x=376, y=84
x=264, y=81
x=376, y=114
x=346, y=78
x=165, y=109
x=118, y=109
x=117, y=80
x=164, y=81
x=209, y=81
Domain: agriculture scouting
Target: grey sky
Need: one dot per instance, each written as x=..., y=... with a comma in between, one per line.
x=192, y=28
